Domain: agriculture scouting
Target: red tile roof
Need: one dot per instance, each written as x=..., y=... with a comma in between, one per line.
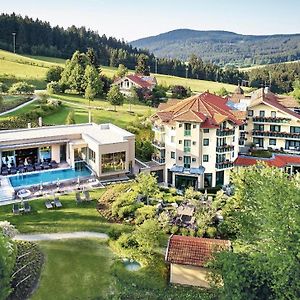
x=205, y=108
x=139, y=81
x=277, y=160
x=193, y=251
x=273, y=100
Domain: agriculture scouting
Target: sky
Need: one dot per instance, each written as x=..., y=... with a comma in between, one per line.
x=134, y=19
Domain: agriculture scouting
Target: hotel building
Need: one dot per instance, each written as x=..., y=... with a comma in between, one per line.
x=196, y=141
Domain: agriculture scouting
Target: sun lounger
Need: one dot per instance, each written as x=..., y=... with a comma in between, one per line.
x=48, y=205
x=86, y=195
x=15, y=208
x=57, y=203
x=27, y=207
x=78, y=198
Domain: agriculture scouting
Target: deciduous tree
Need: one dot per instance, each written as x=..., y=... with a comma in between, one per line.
x=115, y=97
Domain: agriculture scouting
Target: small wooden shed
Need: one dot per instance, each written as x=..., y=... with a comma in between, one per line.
x=189, y=255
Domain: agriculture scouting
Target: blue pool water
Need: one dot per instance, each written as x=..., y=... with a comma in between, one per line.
x=47, y=177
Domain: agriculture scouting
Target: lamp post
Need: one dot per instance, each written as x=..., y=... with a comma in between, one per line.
x=14, y=41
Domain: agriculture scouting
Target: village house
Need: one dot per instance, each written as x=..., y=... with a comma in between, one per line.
x=137, y=81
x=188, y=257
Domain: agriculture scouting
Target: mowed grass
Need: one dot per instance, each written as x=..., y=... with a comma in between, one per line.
x=71, y=217
x=14, y=67
x=75, y=269
x=102, y=111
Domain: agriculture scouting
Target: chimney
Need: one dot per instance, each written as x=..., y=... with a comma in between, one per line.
x=40, y=122
x=29, y=125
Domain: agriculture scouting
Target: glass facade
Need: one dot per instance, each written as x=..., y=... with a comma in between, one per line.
x=113, y=162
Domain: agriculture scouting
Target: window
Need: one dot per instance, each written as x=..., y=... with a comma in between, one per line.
x=180, y=158
x=259, y=127
x=194, y=143
x=187, y=162
x=275, y=128
x=242, y=127
x=173, y=128
x=172, y=154
x=194, y=126
x=187, y=146
x=272, y=142
x=180, y=125
x=92, y=155
x=112, y=162
x=206, y=130
x=205, y=158
x=273, y=114
x=261, y=113
x=172, y=139
x=45, y=153
x=205, y=142
x=187, y=129
x=193, y=159
x=250, y=113
x=295, y=129
x=180, y=141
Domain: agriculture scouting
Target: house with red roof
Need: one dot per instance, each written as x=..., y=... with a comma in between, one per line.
x=188, y=258
x=196, y=141
x=135, y=80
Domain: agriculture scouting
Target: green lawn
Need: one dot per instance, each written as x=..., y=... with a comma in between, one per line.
x=104, y=112
x=71, y=217
x=75, y=269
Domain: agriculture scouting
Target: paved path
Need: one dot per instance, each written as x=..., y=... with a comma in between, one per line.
x=18, y=107
x=60, y=236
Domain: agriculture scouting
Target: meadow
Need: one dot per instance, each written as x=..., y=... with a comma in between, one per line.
x=14, y=67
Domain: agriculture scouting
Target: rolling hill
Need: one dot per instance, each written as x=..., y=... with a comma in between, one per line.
x=15, y=67
x=223, y=47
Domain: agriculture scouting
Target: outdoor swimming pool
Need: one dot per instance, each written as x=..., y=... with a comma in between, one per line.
x=43, y=177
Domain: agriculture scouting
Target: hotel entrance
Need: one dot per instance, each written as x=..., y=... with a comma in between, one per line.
x=184, y=182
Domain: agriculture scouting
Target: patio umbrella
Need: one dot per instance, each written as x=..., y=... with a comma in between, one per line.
x=78, y=182
x=205, y=194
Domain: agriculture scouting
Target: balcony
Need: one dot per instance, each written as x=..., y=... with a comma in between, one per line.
x=187, y=133
x=225, y=132
x=284, y=135
x=159, y=160
x=158, y=144
x=271, y=120
x=224, y=148
x=224, y=165
x=187, y=149
x=160, y=129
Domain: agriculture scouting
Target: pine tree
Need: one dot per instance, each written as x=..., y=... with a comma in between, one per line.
x=142, y=66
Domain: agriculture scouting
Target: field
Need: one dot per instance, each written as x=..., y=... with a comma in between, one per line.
x=14, y=67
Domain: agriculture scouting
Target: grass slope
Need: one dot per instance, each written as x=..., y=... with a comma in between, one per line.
x=75, y=269
x=14, y=67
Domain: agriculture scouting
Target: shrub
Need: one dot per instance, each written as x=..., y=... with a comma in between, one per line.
x=174, y=229
x=184, y=231
x=21, y=87
x=54, y=73
x=54, y=87
x=3, y=87
x=211, y=232
x=143, y=213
